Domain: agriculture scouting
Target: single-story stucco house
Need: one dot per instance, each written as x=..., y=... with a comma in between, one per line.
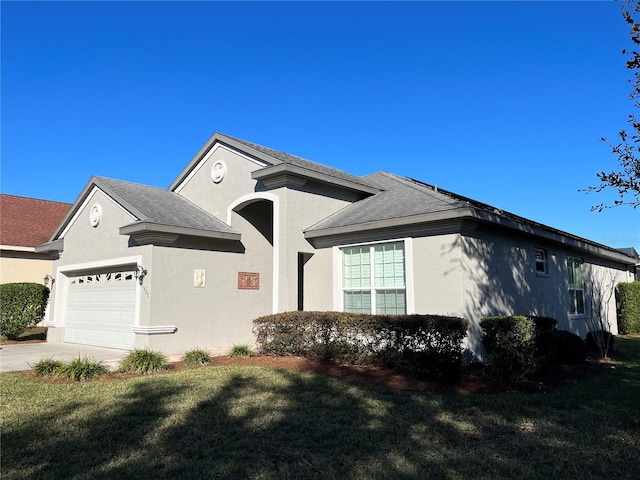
x=245, y=231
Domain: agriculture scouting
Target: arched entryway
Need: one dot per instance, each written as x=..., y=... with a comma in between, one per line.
x=256, y=217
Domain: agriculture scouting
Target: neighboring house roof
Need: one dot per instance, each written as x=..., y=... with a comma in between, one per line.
x=28, y=222
x=278, y=164
x=158, y=213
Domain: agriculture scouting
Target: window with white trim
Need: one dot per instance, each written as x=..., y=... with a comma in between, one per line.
x=374, y=279
x=576, y=286
x=541, y=261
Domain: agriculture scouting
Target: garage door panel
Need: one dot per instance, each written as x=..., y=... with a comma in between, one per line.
x=101, y=310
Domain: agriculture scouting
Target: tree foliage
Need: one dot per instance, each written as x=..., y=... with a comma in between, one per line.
x=626, y=180
x=22, y=306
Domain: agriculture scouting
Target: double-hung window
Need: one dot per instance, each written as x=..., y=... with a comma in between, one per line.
x=576, y=286
x=374, y=279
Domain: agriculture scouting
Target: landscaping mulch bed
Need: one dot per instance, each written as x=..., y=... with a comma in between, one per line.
x=475, y=379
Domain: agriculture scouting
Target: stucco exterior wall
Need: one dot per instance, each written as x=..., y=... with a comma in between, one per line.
x=96, y=248
x=299, y=210
x=216, y=197
x=437, y=275
x=17, y=267
x=499, y=278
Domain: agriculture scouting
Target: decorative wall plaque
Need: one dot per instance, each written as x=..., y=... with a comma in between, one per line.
x=199, y=278
x=218, y=170
x=95, y=215
x=248, y=281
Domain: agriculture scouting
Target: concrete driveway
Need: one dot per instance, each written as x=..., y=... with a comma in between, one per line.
x=22, y=356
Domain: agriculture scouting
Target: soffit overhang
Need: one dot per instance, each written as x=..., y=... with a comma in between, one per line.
x=154, y=233
x=284, y=174
x=461, y=220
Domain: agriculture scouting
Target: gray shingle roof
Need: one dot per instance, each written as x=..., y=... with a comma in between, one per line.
x=399, y=198
x=283, y=157
x=159, y=206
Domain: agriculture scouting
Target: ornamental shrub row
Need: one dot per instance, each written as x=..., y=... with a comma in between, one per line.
x=510, y=344
x=629, y=313
x=22, y=306
x=421, y=343
x=519, y=345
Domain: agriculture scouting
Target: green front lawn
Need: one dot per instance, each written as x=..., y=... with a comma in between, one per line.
x=247, y=422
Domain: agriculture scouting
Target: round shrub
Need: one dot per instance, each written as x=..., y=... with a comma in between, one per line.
x=196, y=357
x=559, y=347
x=510, y=344
x=543, y=324
x=598, y=338
x=143, y=361
x=22, y=306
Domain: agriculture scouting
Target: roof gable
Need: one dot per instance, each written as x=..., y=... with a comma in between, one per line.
x=28, y=222
x=278, y=164
x=152, y=209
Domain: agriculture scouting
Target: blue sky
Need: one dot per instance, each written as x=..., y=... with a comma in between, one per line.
x=503, y=102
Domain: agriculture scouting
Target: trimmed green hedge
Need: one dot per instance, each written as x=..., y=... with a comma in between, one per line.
x=510, y=343
x=423, y=343
x=629, y=314
x=22, y=306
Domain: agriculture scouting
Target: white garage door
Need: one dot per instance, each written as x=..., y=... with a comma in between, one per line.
x=101, y=310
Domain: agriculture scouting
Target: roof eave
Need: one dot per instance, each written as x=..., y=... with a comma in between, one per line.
x=283, y=173
x=166, y=231
x=427, y=224
x=52, y=247
x=555, y=236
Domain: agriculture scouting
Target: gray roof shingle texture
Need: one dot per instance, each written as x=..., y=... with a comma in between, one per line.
x=162, y=207
x=400, y=198
x=287, y=158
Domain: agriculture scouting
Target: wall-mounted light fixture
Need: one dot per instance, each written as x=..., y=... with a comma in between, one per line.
x=140, y=273
x=48, y=278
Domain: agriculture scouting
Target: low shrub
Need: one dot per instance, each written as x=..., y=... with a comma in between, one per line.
x=422, y=343
x=559, y=347
x=241, y=351
x=196, y=357
x=81, y=368
x=600, y=341
x=543, y=324
x=510, y=344
x=47, y=367
x=143, y=361
x=22, y=306
x=628, y=295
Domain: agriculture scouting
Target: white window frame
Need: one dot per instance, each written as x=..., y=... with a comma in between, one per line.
x=544, y=262
x=573, y=306
x=338, y=290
